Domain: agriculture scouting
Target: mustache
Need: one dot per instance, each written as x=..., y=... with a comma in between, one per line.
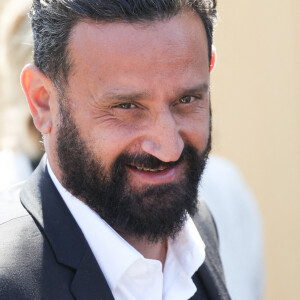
x=149, y=161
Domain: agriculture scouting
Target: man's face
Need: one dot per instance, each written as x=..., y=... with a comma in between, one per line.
x=134, y=123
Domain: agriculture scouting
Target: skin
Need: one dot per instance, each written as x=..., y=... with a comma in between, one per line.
x=141, y=88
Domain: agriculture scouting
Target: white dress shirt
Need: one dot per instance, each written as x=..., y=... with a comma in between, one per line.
x=128, y=273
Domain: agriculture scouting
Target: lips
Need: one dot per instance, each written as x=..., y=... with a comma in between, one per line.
x=156, y=170
x=142, y=175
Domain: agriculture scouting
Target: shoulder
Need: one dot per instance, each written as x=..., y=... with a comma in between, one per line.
x=20, y=240
x=18, y=233
x=16, y=224
x=28, y=266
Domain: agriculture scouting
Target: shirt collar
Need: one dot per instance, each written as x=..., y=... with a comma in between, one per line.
x=188, y=248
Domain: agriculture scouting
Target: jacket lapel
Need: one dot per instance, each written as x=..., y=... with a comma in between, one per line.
x=211, y=272
x=87, y=284
x=42, y=200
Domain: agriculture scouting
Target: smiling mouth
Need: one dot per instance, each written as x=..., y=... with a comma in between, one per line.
x=143, y=175
x=156, y=170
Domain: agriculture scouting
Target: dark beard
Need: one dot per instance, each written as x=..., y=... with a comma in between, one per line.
x=153, y=212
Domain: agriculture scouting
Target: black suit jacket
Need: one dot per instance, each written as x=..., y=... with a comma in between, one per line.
x=44, y=255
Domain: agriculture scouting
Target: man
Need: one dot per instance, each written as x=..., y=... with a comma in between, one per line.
x=120, y=92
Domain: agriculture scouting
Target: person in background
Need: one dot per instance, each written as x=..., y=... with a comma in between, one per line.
x=20, y=146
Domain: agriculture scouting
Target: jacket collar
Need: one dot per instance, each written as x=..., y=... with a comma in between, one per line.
x=43, y=202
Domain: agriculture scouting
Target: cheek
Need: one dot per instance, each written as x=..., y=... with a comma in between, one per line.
x=196, y=130
x=199, y=137
x=108, y=143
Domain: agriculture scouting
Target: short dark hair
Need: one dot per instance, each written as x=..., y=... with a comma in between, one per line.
x=53, y=20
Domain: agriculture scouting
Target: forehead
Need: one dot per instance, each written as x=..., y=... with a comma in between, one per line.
x=159, y=50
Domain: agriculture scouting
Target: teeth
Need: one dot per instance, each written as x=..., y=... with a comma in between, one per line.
x=149, y=170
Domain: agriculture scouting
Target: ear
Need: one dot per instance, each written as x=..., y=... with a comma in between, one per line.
x=37, y=88
x=213, y=60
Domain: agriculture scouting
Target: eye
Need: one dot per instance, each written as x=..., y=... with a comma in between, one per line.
x=187, y=99
x=125, y=106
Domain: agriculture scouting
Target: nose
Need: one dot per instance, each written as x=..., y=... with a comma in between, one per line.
x=162, y=138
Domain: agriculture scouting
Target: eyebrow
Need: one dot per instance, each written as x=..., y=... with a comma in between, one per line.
x=200, y=88
x=116, y=94
x=119, y=95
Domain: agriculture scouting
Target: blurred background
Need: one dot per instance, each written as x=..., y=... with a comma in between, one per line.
x=256, y=119
x=255, y=99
